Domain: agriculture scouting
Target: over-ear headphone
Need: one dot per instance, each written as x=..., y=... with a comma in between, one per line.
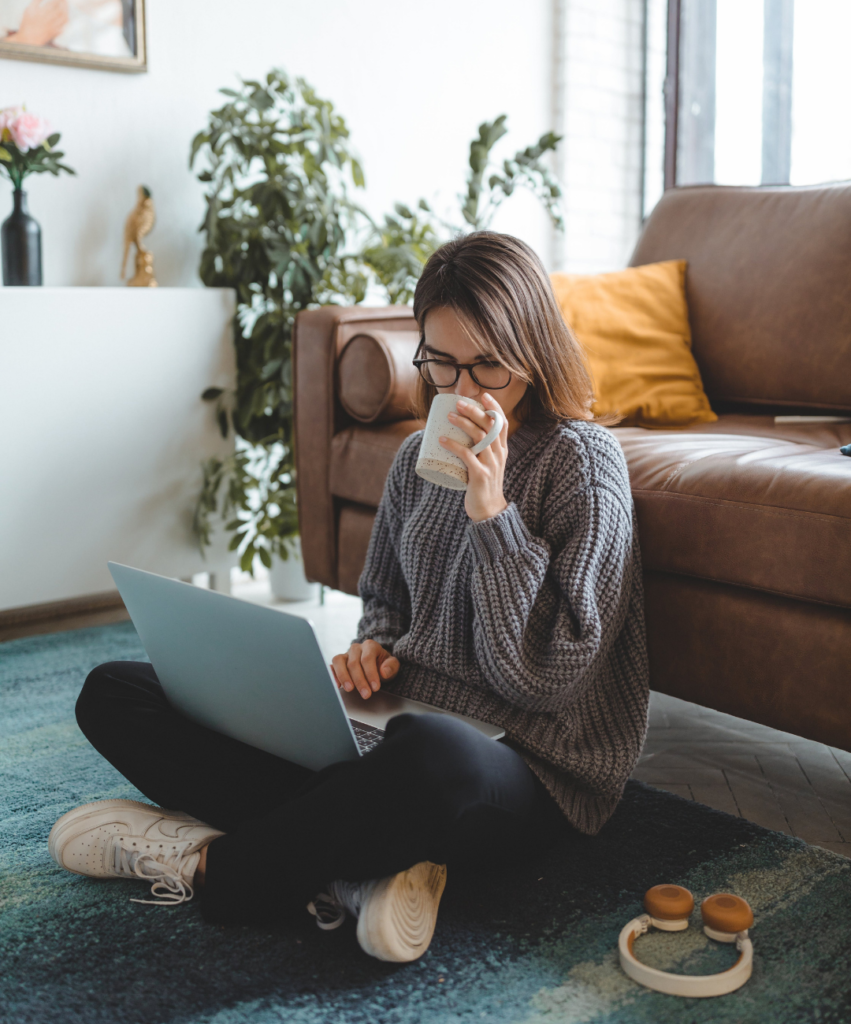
x=726, y=918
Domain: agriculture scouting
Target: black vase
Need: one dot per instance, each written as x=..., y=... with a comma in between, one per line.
x=21, y=238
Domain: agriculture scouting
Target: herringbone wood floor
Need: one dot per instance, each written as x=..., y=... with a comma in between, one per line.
x=776, y=779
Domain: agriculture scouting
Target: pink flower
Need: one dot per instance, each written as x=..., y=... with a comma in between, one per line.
x=28, y=131
x=8, y=115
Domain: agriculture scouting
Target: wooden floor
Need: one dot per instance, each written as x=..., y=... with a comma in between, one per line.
x=773, y=778
x=61, y=625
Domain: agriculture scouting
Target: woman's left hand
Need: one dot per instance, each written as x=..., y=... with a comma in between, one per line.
x=487, y=469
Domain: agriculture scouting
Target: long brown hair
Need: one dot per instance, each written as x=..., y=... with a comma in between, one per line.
x=501, y=293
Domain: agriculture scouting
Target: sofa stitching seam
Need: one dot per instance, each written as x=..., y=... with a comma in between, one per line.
x=767, y=510
x=752, y=586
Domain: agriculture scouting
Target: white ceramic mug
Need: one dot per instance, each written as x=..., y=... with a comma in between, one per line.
x=436, y=464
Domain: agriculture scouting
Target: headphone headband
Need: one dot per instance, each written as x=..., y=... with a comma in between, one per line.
x=726, y=918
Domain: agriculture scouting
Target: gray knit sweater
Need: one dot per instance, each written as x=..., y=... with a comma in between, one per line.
x=532, y=620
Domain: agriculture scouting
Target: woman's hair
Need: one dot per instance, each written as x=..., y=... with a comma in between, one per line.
x=501, y=293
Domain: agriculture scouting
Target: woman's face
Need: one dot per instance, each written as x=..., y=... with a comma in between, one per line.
x=446, y=339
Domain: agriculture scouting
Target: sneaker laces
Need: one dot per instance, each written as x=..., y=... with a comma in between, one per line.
x=169, y=883
x=328, y=912
x=329, y=908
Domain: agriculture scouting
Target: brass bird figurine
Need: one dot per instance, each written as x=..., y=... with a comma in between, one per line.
x=140, y=223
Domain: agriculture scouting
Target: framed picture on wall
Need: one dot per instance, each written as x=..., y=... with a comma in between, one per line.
x=107, y=34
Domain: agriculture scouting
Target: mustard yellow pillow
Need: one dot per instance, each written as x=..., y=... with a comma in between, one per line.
x=633, y=327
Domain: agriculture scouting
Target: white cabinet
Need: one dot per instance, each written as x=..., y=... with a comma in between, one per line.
x=102, y=432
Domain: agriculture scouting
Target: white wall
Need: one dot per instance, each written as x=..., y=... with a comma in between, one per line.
x=413, y=81
x=103, y=432
x=601, y=74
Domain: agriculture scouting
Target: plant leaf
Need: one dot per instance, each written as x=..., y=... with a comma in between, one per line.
x=357, y=173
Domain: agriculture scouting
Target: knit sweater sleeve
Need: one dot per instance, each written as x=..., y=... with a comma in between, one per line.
x=546, y=613
x=382, y=587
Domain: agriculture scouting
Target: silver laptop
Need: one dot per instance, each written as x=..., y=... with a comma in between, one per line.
x=255, y=673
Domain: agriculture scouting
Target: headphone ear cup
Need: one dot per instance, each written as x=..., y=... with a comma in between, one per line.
x=669, y=903
x=726, y=914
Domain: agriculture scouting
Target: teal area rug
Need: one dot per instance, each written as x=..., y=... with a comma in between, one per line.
x=533, y=946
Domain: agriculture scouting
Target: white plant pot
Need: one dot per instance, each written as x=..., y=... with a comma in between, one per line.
x=287, y=576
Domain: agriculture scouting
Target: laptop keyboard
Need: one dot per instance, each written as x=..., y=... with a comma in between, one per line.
x=367, y=736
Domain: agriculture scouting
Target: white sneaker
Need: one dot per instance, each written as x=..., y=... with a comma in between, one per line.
x=127, y=839
x=396, y=915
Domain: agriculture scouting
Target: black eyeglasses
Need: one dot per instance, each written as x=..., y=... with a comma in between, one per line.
x=443, y=374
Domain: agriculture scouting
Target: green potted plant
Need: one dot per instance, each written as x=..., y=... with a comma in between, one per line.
x=396, y=251
x=278, y=169
x=282, y=230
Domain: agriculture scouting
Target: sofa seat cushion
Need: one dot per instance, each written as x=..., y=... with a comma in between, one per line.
x=361, y=457
x=748, y=502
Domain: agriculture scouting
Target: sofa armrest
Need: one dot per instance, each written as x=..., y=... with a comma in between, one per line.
x=319, y=337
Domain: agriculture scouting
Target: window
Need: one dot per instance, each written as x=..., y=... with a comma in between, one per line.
x=758, y=90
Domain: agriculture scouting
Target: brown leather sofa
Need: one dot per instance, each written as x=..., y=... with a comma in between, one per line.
x=745, y=524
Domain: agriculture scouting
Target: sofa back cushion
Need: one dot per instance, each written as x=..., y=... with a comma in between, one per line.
x=768, y=288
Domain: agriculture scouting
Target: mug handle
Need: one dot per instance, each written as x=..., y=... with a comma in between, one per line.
x=492, y=434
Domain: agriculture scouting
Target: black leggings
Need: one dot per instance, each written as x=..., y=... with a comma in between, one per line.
x=435, y=789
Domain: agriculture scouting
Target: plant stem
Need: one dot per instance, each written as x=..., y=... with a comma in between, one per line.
x=17, y=179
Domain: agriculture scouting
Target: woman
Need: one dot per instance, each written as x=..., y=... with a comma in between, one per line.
x=518, y=603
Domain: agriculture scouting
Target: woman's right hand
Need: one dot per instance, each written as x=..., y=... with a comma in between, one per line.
x=364, y=667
